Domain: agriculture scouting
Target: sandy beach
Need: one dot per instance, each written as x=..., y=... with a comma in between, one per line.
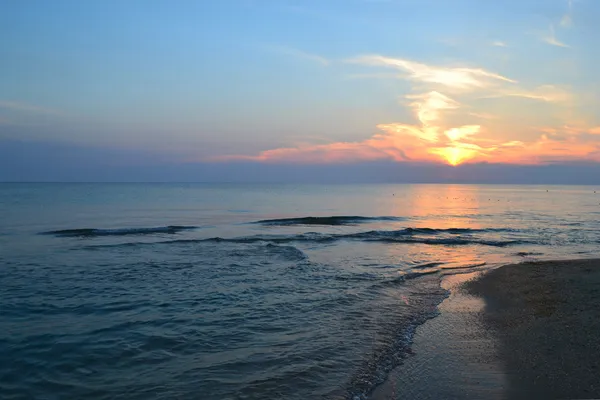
x=522, y=331
x=546, y=317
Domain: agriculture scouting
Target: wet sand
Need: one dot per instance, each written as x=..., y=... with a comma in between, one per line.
x=523, y=331
x=546, y=316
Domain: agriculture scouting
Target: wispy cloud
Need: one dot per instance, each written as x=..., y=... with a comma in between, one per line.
x=567, y=19
x=24, y=107
x=427, y=106
x=292, y=52
x=549, y=37
x=483, y=115
x=546, y=93
x=499, y=43
x=466, y=79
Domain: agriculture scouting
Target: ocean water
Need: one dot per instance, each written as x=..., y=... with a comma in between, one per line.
x=188, y=291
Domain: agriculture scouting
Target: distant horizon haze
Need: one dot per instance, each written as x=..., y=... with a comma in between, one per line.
x=21, y=162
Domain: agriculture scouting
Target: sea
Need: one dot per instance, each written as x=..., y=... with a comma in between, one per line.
x=247, y=291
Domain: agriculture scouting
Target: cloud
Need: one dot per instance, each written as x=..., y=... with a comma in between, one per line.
x=290, y=51
x=567, y=20
x=24, y=107
x=483, y=115
x=444, y=130
x=402, y=143
x=570, y=131
x=461, y=78
x=456, y=134
x=428, y=141
x=551, y=40
x=395, y=141
x=551, y=150
x=499, y=43
x=546, y=93
x=406, y=143
x=549, y=37
x=428, y=107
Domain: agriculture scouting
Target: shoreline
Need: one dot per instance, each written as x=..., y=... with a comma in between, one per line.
x=526, y=330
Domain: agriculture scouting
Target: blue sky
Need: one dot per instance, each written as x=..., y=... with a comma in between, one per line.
x=304, y=81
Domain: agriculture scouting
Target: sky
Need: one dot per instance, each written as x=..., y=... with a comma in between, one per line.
x=102, y=90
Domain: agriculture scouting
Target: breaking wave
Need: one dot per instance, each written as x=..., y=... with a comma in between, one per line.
x=408, y=235
x=315, y=237
x=118, y=232
x=333, y=220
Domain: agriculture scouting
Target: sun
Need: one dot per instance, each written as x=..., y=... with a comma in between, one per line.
x=454, y=155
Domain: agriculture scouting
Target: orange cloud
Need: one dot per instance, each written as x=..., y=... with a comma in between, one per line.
x=432, y=142
x=444, y=130
x=399, y=142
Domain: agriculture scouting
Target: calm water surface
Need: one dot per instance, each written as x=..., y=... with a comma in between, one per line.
x=187, y=291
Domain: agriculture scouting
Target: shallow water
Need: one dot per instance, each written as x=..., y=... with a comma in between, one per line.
x=248, y=291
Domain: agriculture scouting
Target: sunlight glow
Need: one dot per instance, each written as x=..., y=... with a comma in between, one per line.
x=443, y=101
x=456, y=134
x=454, y=155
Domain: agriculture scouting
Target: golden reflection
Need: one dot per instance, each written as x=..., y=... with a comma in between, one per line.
x=439, y=207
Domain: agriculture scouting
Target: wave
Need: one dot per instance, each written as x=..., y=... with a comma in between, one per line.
x=334, y=238
x=277, y=239
x=407, y=275
x=428, y=265
x=528, y=254
x=416, y=274
x=118, y=232
x=332, y=220
x=288, y=252
x=428, y=236
x=407, y=236
x=455, y=266
x=323, y=238
x=394, y=343
x=416, y=231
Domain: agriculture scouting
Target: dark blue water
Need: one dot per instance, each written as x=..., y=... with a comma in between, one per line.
x=183, y=291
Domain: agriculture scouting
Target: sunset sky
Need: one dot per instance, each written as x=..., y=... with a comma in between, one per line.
x=301, y=81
